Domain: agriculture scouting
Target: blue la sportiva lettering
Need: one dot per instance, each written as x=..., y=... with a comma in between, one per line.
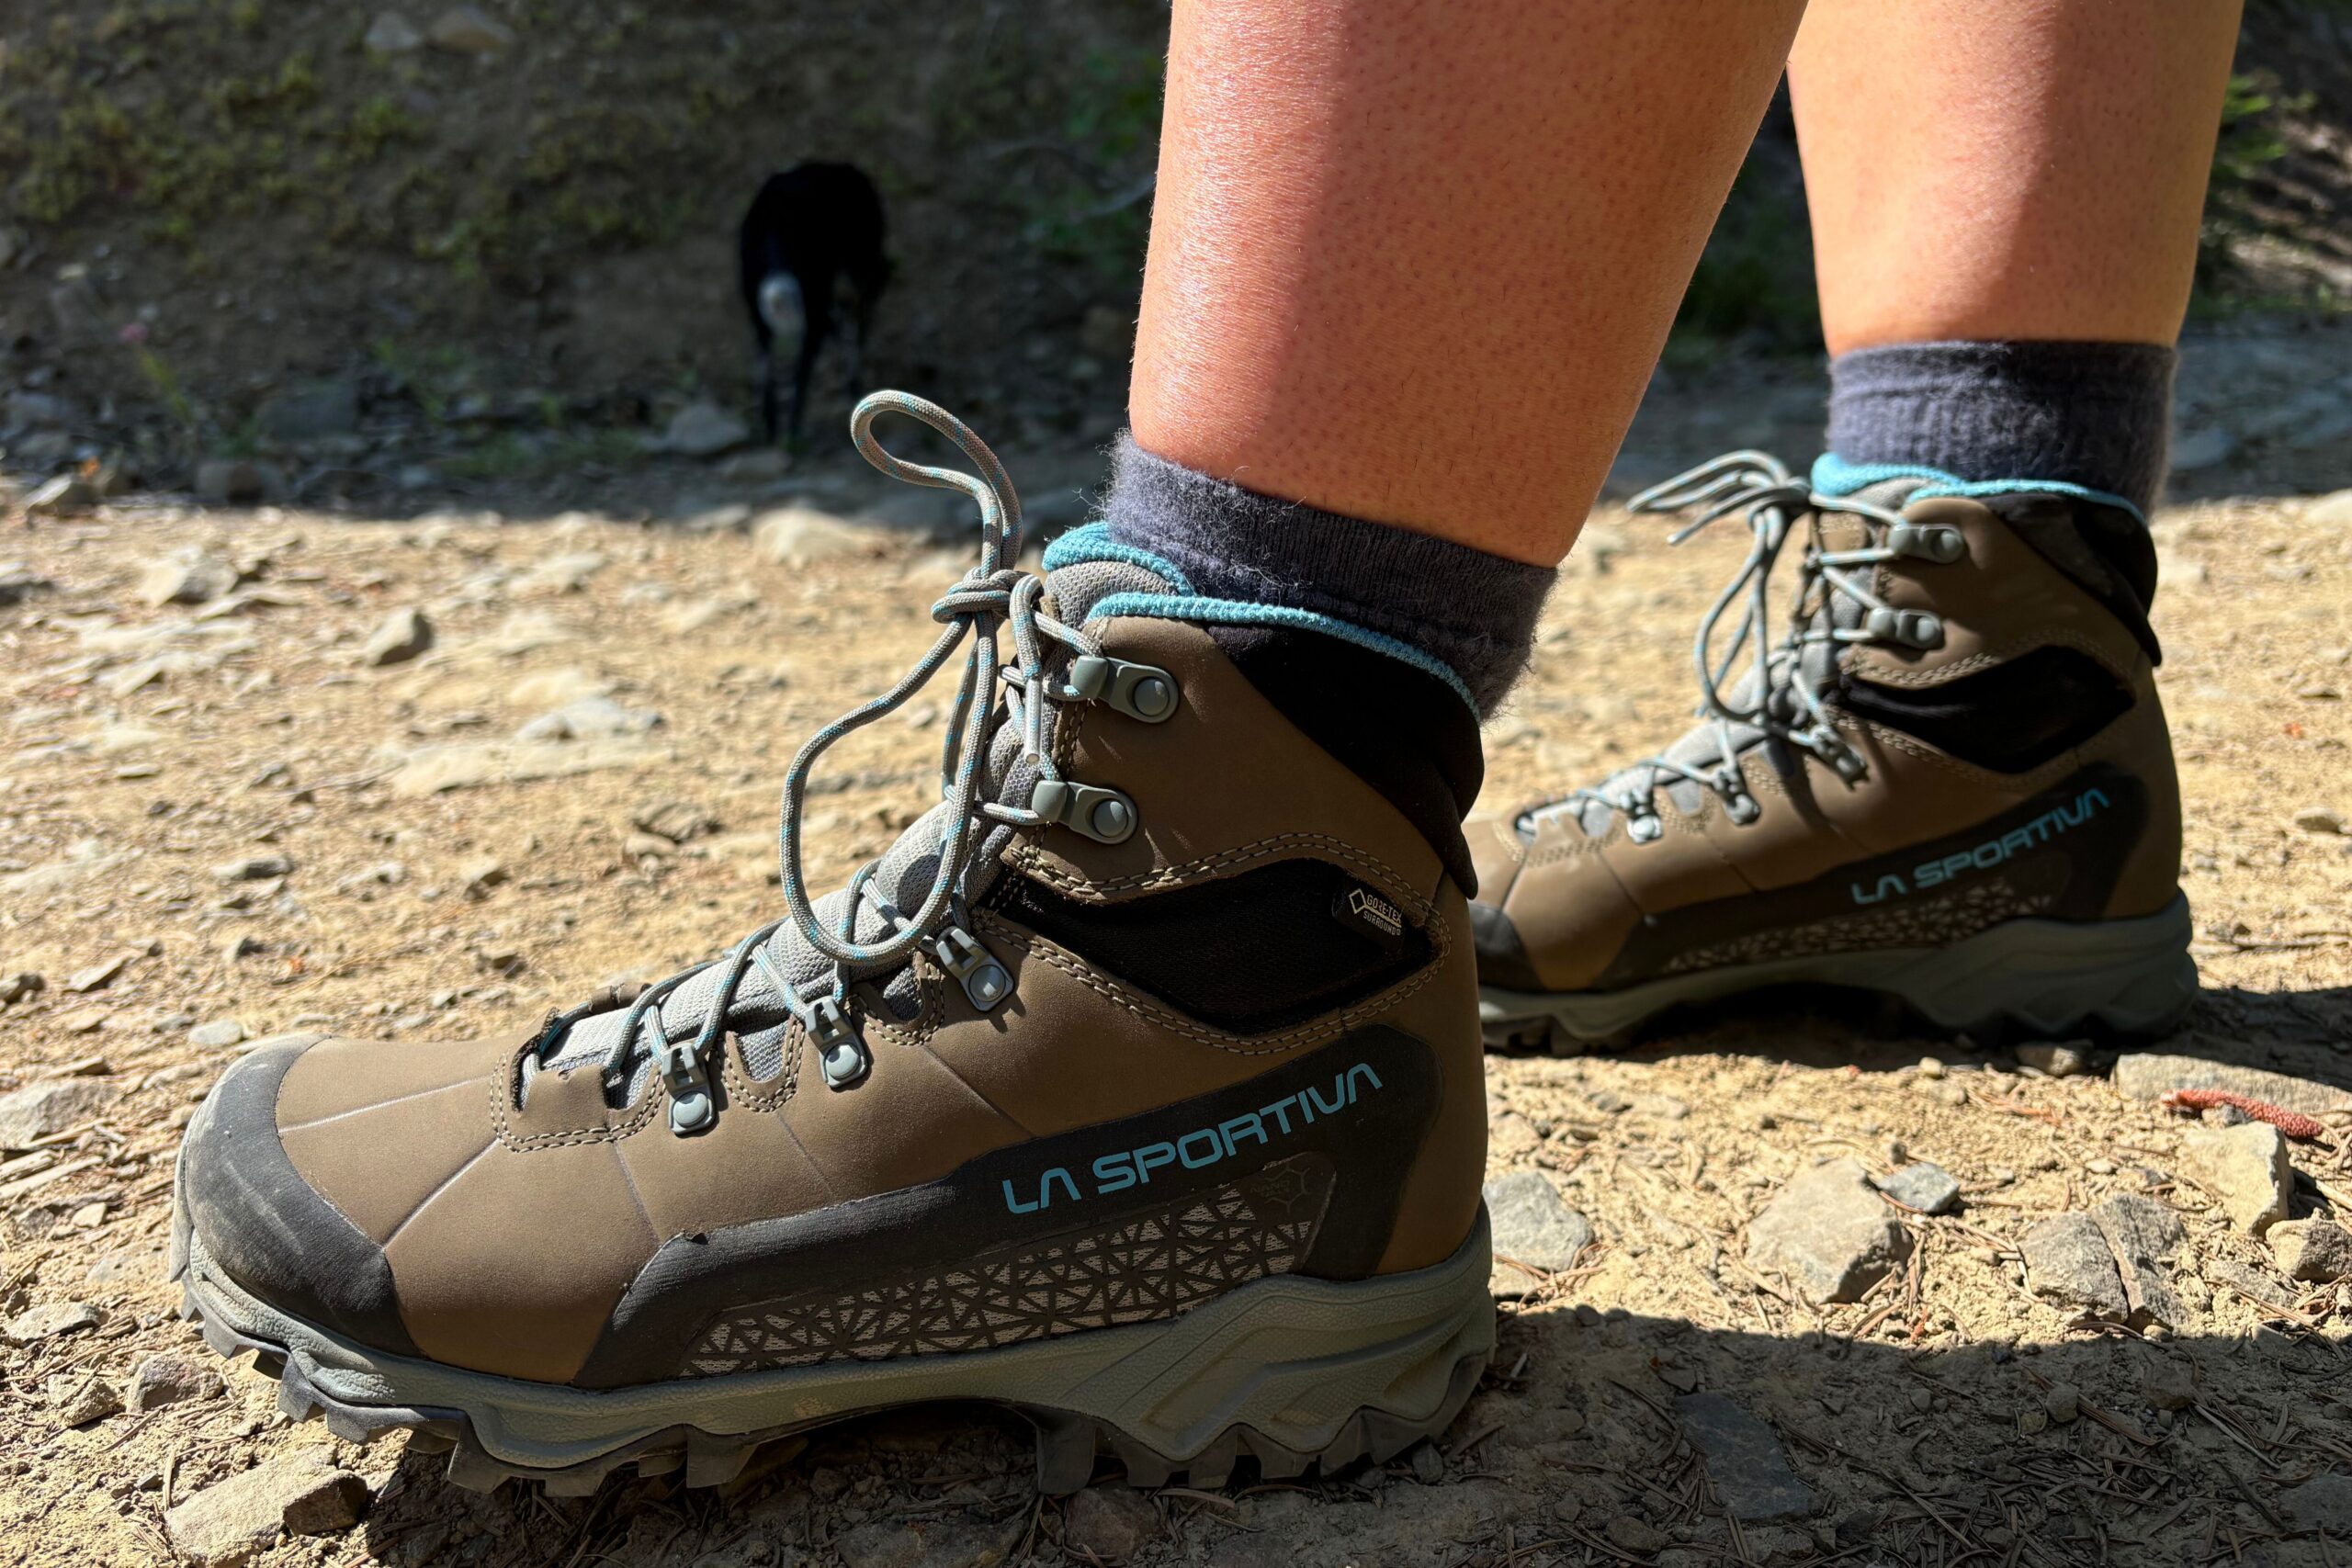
x=1202, y=1146
x=1986, y=855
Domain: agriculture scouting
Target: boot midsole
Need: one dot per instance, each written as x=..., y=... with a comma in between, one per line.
x=1291, y=1357
x=2131, y=974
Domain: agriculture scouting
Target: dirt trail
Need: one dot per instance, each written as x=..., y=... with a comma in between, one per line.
x=219, y=823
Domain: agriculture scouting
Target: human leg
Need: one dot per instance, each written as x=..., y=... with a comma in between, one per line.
x=1951, y=781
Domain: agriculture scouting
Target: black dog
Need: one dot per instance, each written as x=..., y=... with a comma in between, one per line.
x=812, y=228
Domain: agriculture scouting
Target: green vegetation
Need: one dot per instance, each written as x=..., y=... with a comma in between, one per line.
x=1755, y=279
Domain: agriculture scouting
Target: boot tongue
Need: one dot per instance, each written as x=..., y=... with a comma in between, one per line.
x=903, y=874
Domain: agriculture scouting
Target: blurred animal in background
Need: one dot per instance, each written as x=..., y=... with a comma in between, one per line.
x=811, y=244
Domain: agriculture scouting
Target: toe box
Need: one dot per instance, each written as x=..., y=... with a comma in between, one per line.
x=267, y=1228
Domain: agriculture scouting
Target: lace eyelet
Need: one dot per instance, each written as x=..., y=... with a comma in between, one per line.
x=687, y=1080
x=1142, y=691
x=1104, y=815
x=1645, y=828
x=1742, y=808
x=986, y=982
x=1936, y=542
x=1912, y=628
x=840, y=1054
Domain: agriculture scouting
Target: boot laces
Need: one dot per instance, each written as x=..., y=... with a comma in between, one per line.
x=1781, y=694
x=989, y=694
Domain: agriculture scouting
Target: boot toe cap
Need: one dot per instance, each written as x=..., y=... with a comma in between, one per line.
x=259, y=1221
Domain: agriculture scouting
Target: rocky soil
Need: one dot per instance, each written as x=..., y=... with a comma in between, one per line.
x=1788, y=1284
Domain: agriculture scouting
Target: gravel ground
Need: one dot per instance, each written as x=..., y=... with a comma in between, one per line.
x=272, y=771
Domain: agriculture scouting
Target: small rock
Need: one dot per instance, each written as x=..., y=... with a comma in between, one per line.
x=2168, y=1383
x=2064, y=1400
x=159, y=1380
x=404, y=634
x=2252, y=1283
x=48, y=1321
x=476, y=877
x=677, y=820
x=553, y=688
x=1112, y=1523
x=16, y=987
x=1427, y=1465
x=79, y=1398
x=2067, y=1259
x=43, y=1110
x=126, y=1266
x=589, y=718
x=98, y=976
x=1828, y=1232
x=796, y=535
x=218, y=1033
x=2031, y=1422
x=1931, y=1067
x=2141, y=1235
x=566, y=573
x=185, y=580
x=2245, y=1168
x=2323, y=1502
x=704, y=430
x=1636, y=1535
x=254, y=868
x=230, y=1521
x=1532, y=1226
x=2316, y=1250
x=1744, y=1460
x=1924, y=1186
x=330, y=1508
x=2057, y=1061
x=67, y=495
x=2147, y=1074
x=2320, y=819
x=465, y=29
x=391, y=33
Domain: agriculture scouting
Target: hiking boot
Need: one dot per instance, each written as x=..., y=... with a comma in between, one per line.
x=1948, y=781
x=1137, y=1087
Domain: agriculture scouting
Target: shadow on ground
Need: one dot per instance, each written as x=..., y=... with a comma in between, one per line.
x=1583, y=1446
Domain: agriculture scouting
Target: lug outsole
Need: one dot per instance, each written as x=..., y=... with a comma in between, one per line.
x=1068, y=1445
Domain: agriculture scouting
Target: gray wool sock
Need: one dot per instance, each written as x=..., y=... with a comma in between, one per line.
x=2093, y=414
x=1474, y=612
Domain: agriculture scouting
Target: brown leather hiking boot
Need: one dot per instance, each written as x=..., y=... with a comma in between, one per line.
x=1137, y=1087
x=1948, y=782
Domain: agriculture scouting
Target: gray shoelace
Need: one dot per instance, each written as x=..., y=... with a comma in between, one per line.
x=996, y=592
x=1782, y=695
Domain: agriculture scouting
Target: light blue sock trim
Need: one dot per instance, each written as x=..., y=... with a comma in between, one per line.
x=1234, y=612
x=1832, y=475
x=1094, y=542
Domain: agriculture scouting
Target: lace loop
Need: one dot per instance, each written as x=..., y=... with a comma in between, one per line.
x=1779, y=697
x=991, y=693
